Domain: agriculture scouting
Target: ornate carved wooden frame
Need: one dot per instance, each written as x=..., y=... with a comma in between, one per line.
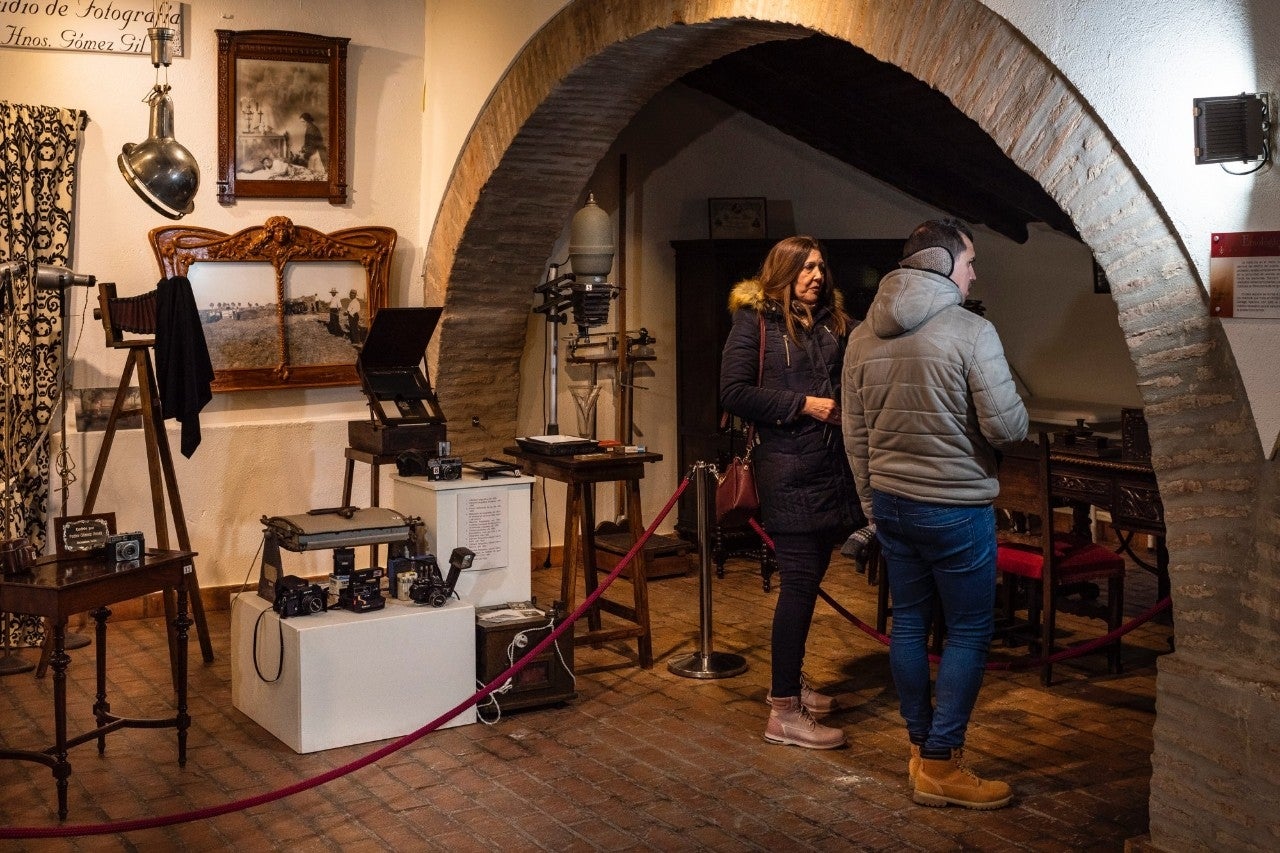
x=303, y=50
x=280, y=242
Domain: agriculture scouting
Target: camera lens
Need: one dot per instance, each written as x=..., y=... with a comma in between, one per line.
x=129, y=550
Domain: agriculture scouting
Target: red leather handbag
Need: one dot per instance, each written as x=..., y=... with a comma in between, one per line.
x=736, y=497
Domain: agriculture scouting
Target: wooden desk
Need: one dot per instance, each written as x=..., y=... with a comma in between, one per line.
x=57, y=590
x=581, y=472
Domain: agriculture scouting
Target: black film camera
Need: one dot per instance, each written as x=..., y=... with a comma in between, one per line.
x=297, y=597
x=430, y=587
x=125, y=549
x=363, y=591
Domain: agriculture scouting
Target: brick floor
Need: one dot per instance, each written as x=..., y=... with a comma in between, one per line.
x=642, y=760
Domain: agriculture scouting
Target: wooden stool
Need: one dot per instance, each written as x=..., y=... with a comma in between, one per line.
x=581, y=473
x=375, y=461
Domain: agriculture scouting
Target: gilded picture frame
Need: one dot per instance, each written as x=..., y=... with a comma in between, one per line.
x=281, y=305
x=282, y=115
x=738, y=218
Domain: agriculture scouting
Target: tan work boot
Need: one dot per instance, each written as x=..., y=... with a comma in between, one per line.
x=818, y=704
x=791, y=723
x=913, y=763
x=948, y=782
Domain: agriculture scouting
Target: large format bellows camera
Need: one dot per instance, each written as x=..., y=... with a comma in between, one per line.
x=429, y=587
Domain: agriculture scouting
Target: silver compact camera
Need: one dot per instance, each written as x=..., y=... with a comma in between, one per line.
x=125, y=548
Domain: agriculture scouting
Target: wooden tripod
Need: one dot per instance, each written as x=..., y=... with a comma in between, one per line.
x=159, y=457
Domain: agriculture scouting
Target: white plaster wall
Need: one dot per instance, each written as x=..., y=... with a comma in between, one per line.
x=1139, y=63
x=263, y=452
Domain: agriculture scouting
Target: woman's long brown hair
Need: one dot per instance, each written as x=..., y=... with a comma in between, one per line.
x=778, y=276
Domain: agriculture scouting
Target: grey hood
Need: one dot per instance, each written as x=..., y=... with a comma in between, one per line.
x=907, y=298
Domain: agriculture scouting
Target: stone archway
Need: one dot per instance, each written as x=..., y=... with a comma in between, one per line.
x=597, y=62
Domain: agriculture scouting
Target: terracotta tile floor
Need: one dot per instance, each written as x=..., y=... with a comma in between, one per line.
x=642, y=760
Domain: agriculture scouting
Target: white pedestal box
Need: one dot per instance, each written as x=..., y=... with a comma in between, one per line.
x=491, y=517
x=352, y=677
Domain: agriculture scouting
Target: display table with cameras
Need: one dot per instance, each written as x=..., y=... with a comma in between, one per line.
x=346, y=678
x=59, y=588
x=488, y=515
x=581, y=472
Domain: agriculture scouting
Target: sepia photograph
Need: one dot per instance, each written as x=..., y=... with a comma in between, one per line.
x=282, y=121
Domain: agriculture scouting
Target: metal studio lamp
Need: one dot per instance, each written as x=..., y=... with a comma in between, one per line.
x=160, y=169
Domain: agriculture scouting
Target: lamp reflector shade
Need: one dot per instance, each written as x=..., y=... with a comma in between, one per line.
x=160, y=169
x=591, y=241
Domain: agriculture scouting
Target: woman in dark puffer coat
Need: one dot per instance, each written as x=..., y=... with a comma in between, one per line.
x=808, y=502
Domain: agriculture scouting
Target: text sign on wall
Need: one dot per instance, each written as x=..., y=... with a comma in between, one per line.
x=91, y=26
x=1244, y=275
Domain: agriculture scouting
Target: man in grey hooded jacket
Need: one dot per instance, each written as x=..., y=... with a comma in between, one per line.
x=928, y=399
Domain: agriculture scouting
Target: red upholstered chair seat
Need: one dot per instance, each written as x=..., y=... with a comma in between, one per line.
x=1076, y=561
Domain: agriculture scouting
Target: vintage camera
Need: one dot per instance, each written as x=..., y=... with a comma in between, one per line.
x=430, y=587
x=363, y=591
x=444, y=468
x=125, y=548
x=297, y=597
x=434, y=466
x=402, y=571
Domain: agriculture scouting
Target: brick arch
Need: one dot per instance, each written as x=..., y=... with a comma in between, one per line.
x=597, y=62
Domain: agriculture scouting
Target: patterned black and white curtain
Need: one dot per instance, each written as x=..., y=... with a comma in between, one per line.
x=39, y=152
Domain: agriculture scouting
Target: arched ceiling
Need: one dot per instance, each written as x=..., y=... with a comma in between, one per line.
x=879, y=119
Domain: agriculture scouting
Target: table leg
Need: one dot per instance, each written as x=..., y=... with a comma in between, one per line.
x=374, y=483
x=588, y=523
x=572, y=549
x=60, y=661
x=639, y=576
x=101, y=707
x=181, y=623
x=346, y=481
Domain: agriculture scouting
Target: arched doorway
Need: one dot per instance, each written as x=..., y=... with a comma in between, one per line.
x=596, y=63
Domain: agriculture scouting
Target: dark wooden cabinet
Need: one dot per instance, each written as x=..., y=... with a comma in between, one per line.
x=706, y=270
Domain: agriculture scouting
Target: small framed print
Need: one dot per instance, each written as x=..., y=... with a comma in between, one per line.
x=282, y=116
x=82, y=535
x=738, y=218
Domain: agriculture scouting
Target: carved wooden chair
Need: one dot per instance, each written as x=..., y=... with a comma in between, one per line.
x=1031, y=550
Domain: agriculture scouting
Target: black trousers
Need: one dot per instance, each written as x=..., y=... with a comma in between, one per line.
x=802, y=563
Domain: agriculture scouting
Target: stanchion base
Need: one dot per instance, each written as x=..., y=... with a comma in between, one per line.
x=76, y=641
x=713, y=665
x=11, y=664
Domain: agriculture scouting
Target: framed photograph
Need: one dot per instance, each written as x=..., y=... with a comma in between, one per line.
x=281, y=305
x=738, y=218
x=282, y=116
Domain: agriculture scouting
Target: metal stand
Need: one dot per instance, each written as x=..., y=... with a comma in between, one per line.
x=706, y=663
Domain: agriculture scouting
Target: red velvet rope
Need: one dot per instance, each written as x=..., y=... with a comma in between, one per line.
x=376, y=755
x=1024, y=663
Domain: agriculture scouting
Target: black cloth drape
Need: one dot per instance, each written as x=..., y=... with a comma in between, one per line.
x=183, y=368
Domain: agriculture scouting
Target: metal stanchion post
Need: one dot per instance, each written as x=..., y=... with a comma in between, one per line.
x=706, y=663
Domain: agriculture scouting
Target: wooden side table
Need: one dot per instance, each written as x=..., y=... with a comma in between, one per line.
x=580, y=473
x=375, y=461
x=57, y=589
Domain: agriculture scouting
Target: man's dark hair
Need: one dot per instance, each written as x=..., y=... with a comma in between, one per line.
x=947, y=233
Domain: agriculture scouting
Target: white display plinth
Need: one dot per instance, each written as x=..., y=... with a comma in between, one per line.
x=491, y=517
x=352, y=677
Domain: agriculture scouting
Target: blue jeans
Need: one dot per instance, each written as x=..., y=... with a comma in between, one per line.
x=947, y=554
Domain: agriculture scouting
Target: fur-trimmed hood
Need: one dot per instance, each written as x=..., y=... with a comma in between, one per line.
x=749, y=294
